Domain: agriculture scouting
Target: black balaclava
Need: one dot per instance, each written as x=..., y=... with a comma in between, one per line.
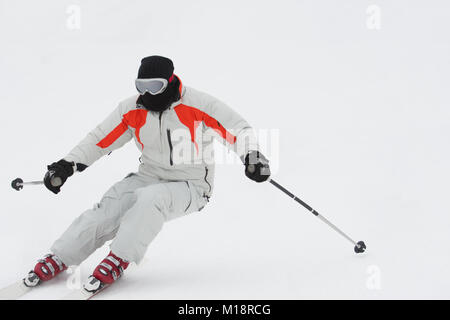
x=158, y=67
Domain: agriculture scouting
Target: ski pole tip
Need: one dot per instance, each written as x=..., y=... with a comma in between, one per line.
x=17, y=184
x=360, y=247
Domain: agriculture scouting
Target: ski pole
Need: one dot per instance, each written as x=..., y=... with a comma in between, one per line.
x=18, y=183
x=360, y=246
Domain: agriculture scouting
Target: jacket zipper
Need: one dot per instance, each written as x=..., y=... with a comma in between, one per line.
x=206, y=174
x=170, y=146
x=160, y=132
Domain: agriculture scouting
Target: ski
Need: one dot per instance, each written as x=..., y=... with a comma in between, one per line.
x=90, y=289
x=20, y=288
x=14, y=291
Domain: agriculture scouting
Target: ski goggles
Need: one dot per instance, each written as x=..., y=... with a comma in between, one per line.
x=153, y=86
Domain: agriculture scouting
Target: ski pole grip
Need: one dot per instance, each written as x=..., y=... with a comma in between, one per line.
x=56, y=181
x=251, y=168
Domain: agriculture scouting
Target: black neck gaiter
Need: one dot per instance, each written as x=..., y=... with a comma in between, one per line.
x=162, y=101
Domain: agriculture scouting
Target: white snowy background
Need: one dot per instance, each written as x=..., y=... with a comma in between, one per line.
x=359, y=91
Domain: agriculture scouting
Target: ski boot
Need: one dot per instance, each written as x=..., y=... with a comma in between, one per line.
x=106, y=273
x=46, y=269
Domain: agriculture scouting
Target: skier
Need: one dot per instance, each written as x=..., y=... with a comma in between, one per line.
x=164, y=117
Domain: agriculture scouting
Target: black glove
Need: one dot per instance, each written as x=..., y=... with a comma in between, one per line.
x=256, y=166
x=62, y=170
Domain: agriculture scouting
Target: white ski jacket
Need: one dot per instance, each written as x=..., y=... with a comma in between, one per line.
x=176, y=144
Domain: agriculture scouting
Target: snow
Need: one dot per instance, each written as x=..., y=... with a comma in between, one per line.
x=363, y=122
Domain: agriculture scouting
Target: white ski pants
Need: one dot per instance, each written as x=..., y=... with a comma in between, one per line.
x=132, y=212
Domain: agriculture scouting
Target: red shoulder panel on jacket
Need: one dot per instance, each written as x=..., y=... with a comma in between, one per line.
x=192, y=117
x=135, y=119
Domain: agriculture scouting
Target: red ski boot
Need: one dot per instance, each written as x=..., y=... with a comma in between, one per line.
x=46, y=269
x=108, y=271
